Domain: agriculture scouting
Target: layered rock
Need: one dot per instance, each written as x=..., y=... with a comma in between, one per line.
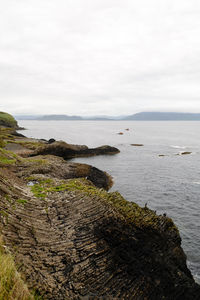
x=74, y=240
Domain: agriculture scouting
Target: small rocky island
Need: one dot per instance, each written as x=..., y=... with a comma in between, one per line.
x=69, y=238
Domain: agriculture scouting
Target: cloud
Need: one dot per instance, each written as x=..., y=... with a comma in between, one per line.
x=92, y=57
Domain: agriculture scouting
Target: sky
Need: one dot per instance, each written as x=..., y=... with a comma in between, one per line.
x=99, y=57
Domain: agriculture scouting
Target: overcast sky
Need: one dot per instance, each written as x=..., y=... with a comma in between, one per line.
x=89, y=57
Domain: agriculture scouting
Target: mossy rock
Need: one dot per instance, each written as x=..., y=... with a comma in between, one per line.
x=7, y=120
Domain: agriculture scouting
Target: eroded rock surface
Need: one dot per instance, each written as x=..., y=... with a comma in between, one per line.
x=74, y=240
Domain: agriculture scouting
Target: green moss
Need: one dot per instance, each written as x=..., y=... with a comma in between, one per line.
x=44, y=186
x=40, y=188
x=38, y=192
x=129, y=211
x=7, y=157
x=5, y=161
x=21, y=201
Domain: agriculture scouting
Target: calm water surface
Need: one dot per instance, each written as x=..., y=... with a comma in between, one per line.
x=168, y=184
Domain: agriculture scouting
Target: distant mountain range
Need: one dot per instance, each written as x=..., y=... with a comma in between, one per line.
x=65, y=118
x=164, y=116
x=142, y=116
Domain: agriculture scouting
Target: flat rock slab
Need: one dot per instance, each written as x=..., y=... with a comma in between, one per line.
x=137, y=145
x=14, y=147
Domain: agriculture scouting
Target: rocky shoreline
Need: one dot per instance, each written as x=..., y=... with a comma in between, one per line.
x=74, y=240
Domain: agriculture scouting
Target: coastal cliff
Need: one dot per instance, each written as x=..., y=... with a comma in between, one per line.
x=7, y=120
x=74, y=240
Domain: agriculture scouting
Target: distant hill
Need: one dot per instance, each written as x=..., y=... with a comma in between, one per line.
x=142, y=116
x=27, y=117
x=62, y=118
x=163, y=116
x=59, y=117
x=48, y=117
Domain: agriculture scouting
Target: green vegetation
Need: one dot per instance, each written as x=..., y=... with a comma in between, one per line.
x=12, y=287
x=7, y=120
x=44, y=186
x=2, y=143
x=10, y=158
x=7, y=157
x=21, y=201
x=41, y=187
x=5, y=134
x=129, y=211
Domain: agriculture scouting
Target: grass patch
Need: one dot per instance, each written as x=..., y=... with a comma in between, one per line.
x=41, y=188
x=21, y=201
x=5, y=134
x=12, y=287
x=7, y=157
x=129, y=211
x=7, y=161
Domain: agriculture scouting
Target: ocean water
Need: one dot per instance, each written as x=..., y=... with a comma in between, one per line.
x=168, y=184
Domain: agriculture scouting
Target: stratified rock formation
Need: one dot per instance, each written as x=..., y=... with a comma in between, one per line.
x=74, y=240
x=67, y=151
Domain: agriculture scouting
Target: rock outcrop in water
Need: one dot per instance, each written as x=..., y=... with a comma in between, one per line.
x=137, y=145
x=68, y=151
x=74, y=240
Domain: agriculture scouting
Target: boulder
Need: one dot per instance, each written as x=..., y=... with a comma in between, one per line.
x=51, y=141
x=185, y=153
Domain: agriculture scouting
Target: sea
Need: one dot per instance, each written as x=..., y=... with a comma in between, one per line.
x=157, y=174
